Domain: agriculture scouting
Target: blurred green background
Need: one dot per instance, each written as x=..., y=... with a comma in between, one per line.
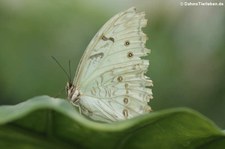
x=187, y=63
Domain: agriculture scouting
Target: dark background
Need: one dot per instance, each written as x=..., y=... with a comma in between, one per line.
x=187, y=63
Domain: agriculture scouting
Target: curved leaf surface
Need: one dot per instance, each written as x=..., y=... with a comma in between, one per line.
x=46, y=122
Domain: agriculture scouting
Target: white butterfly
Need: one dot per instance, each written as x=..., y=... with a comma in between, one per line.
x=110, y=82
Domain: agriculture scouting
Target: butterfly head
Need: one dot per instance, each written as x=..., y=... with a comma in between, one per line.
x=73, y=93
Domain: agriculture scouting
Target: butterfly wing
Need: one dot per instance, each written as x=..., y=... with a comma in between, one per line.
x=111, y=74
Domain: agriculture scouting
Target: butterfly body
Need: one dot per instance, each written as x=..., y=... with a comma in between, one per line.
x=73, y=93
x=110, y=82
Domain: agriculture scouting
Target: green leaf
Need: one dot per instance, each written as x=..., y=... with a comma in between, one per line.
x=46, y=122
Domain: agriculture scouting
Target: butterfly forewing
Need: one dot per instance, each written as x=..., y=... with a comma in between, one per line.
x=111, y=75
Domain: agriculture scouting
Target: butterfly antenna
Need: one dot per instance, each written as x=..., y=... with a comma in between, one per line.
x=70, y=72
x=68, y=75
